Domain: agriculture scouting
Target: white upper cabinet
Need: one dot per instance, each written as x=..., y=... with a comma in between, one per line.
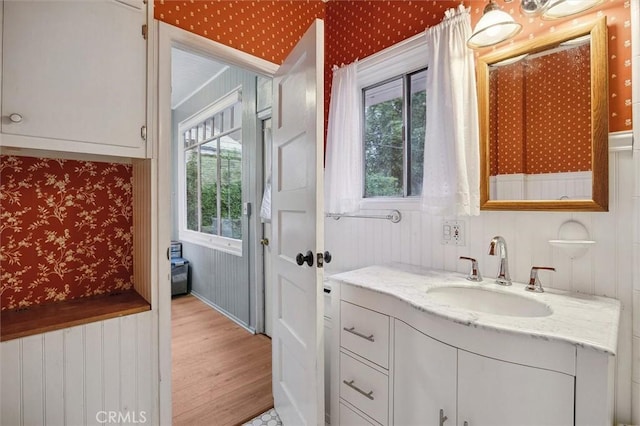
x=74, y=76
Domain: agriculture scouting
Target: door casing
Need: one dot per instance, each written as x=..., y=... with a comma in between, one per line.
x=162, y=37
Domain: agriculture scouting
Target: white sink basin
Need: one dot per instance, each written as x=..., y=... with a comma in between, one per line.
x=489, y=301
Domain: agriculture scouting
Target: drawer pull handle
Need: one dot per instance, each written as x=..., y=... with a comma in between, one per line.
x=442, y=418
x=357, y=389
x=352, y=330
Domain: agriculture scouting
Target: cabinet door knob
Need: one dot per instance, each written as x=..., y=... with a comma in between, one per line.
x=15, y=118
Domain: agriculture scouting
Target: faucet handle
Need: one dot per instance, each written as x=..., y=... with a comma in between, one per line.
x=534, y=282
x=474, y=274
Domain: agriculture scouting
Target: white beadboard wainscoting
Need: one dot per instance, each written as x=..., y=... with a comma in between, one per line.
x=546, y=186
x=606, y=269
x=78, y=375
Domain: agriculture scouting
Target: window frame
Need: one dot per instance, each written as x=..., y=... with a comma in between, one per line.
x=216, y=242
x=404, y=57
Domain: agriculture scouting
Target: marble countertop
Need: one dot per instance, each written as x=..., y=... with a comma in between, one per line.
x=579, y=319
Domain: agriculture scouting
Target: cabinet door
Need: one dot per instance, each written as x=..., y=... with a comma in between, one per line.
x=75, y=71
x=498, y=393
x=424, y=379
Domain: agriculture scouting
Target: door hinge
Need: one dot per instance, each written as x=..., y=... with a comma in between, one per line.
x=144, y=31
x=320, y=258
x=143, y=133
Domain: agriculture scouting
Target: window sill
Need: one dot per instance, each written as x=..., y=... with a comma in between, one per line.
x=214, y=242
x=391, y=203
x=59, y=315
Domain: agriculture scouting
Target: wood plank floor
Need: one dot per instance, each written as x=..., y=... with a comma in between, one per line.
x=221, y=372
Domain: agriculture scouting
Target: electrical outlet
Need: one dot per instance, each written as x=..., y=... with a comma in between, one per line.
x=453, y=232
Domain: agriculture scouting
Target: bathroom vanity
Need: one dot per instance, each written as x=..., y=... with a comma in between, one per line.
x=413, y=346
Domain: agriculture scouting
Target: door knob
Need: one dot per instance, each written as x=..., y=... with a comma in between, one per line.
x=264, y=241
x=301, y=259
x=15, y=118
x=327, y=257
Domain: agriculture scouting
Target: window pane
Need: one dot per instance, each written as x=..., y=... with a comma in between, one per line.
x=226, y=119
x=193, y=135
x=417, y=124
x=237, y=115
x=208, y=187
x=201, y=132
x=191, y=179
x=187, y=139
x=231, y=185
x=384, y=154
x=208, y=128
x=217, y=124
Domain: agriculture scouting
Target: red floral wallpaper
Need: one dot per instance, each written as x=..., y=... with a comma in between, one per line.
x=355, y=29
x=559, y=79
x=65, y=230
x=267, y=29
x=358, y=28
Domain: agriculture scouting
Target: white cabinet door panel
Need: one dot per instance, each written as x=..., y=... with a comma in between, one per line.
x=75, y=72
x=498, y=393
x=424, y=378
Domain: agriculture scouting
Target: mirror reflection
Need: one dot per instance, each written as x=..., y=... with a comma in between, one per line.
x=540, y=128
x=544, y=122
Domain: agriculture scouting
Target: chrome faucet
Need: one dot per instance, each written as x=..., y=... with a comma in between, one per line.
x=474, y=274
x=499, y=246
x=534, y=282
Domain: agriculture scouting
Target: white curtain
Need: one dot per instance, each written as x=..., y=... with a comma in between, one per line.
x=344, y=156
x=451, y=182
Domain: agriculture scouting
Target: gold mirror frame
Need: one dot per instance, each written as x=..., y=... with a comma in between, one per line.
x=599, y=119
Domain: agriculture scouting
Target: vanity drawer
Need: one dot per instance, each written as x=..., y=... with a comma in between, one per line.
x=365, y=388
x=348, y=417
x=365, y=332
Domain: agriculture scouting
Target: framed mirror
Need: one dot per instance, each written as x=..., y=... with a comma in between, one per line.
x=543, y=111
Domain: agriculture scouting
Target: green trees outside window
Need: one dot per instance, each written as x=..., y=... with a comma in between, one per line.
x=213, y=175
x=394, y=123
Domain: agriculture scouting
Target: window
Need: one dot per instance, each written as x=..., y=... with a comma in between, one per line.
x=393, y=133
x=211, y=202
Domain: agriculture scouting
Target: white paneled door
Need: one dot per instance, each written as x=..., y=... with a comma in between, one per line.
x=298, y=232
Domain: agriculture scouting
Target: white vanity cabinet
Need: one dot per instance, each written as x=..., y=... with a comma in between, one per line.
x=430, y=376
x=397, y=363
x=74, y=76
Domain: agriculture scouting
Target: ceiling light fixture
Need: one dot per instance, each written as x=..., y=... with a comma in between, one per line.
x=494, y=27
x=557, y=9
x=533, y=7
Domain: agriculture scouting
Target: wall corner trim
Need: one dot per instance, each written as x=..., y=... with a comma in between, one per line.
x=621, y=141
